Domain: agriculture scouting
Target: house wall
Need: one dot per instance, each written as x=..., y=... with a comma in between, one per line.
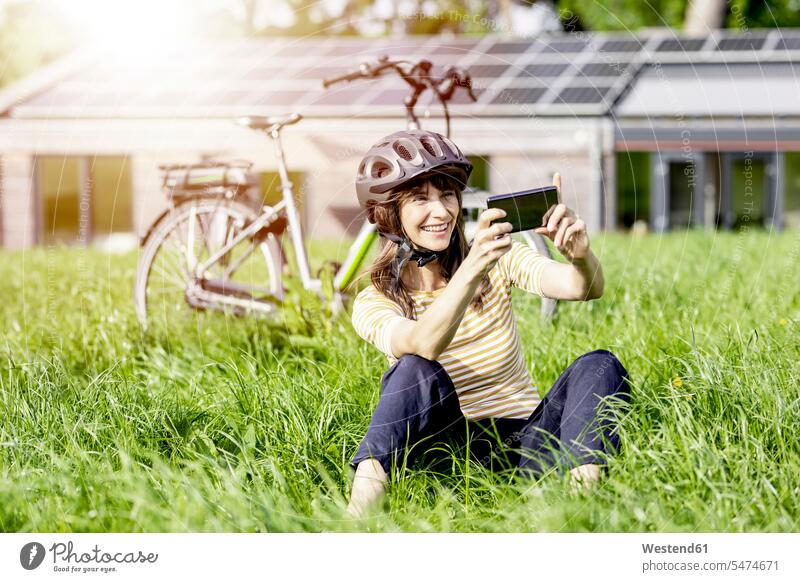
x=148, y=198
x=18, y=210
x=521, y=154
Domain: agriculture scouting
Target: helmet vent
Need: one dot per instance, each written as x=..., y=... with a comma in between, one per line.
x=380, y=169
x=403, y=152
x=453, y=148
x=431, y=147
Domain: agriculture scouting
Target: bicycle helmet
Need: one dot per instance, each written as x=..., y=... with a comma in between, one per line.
x=403, y=156
x=397, y=159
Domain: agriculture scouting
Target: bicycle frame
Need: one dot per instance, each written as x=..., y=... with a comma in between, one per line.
x=355, y=256
x=207, y=292
x=294, y=220
x=268, y=216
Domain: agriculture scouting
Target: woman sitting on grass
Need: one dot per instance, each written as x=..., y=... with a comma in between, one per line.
x=441, y=311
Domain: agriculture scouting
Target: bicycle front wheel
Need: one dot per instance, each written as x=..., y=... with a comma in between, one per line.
x=170, y=292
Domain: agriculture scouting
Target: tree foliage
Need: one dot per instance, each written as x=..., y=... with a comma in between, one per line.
x=32, y=34
x=630, y=15
x=763, y=14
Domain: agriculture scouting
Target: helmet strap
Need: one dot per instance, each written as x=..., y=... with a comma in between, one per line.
x=406, y=252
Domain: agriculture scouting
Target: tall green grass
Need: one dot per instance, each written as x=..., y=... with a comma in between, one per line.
x=231, y=424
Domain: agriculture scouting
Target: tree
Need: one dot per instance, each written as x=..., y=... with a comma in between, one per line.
x=32, y=34
x=704, y=15
x=761, y=14
x=631, y=15
x=627, y=15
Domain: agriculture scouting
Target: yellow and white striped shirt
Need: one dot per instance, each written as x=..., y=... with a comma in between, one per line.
x=484, y=359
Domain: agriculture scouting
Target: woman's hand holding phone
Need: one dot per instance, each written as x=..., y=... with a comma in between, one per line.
x=565, y=229
x=491, y=242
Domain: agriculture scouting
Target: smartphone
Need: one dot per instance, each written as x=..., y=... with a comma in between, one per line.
x=525, y=209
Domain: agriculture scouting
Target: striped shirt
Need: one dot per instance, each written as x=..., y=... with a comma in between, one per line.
x=484, y=358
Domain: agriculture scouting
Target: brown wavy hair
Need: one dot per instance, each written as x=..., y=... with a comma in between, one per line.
x=386, y=216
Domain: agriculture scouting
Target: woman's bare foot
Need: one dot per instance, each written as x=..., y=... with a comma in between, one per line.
x=585, y=476
x=369, y=487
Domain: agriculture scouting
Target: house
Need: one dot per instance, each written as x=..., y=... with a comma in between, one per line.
x=653, y=128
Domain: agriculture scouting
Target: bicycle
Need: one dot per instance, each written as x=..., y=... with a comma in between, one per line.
x=217, y=247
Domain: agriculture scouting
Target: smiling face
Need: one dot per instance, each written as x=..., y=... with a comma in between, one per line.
x=428, y=216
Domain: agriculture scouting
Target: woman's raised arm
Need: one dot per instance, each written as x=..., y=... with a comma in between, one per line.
x=430, y=335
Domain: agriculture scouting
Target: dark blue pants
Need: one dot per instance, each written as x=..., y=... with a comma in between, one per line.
x=418, y=412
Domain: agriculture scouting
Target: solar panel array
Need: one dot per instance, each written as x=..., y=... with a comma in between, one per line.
x=561, y=74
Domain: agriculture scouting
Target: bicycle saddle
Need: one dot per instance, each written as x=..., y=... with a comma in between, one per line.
x=271, y=123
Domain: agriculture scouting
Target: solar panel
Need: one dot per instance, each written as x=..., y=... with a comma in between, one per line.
x=317, y=72
x=604, y=69
x=788, y=43
x=741, y=43
x=338, y=97
x=343, y=50
x=399, y=47
x=680, y=45
x=114, y=98
x=92, y=73
x=452, y=49
x=461, y=97
x=390, y=97
x=246, y=49
x=157, y=99
x=518, y=95
x=441, y=62
x=543, y=70
x=252, y=73
x=218, y=98
x=283, y=98
x=51, y=98
x=265, y=73
x=251, y=98
x=300, y=49
x=564, y=46
x=579, y=95
x=508, y=48
x=490, y=71
x=616, y=45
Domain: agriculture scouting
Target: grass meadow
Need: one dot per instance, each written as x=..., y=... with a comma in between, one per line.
x=234, y=424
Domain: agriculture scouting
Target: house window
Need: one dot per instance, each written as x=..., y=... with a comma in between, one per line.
x=111, y=195
x=82, y=199
x=59, y=187
x=479, y=178
x=683, y=193
x=633, y=188
x=478, y=181
x=271, y=194
x=791, y=201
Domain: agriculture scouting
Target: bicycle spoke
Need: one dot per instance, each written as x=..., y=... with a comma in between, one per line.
x=177, y=245
x=178, y=281
x=231, y=269
x=204, y=231
x=174, y=291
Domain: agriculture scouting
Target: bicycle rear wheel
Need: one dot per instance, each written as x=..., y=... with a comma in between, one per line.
x=170, y=292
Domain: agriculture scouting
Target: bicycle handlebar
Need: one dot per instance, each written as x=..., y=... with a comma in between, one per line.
x=365, y=70
x=352, y=76
x=418, y=77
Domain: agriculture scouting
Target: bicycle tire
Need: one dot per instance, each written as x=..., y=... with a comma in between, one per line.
x=163, y=280
x=549, y=307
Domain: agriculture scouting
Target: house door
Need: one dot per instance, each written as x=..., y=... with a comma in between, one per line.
x=681, y=179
